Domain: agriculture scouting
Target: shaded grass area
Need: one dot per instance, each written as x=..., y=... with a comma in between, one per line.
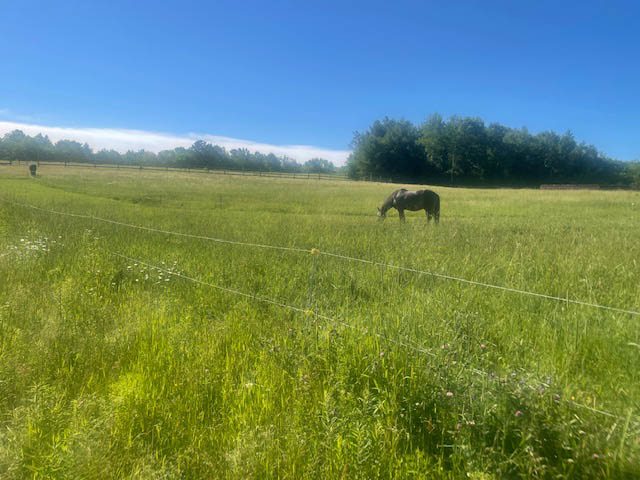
x=110, y=368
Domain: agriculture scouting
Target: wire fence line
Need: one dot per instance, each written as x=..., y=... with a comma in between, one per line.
x=336, y=255
x=362, y=330
x=310, y=312
x=218, y=287
x=218, y=171
x=157, y=230
x=481, y=284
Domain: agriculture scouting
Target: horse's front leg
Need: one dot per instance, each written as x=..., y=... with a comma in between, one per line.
x=401, y=214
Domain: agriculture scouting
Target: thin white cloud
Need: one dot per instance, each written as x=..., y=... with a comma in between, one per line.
x=122, y=140
x=299, y=152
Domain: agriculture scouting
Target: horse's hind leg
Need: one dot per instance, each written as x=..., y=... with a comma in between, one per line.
x=428, y=215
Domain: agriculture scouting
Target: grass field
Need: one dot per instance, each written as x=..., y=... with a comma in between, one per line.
x=114, y=364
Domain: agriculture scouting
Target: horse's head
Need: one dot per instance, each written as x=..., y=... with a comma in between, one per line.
x=381, y=214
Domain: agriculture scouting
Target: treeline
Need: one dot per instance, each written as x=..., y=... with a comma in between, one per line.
x=463, y=150
x=16, y=146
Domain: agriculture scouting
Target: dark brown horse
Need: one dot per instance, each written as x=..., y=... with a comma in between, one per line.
x=403, y=200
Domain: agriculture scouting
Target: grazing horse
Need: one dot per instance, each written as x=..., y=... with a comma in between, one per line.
x=403, y=200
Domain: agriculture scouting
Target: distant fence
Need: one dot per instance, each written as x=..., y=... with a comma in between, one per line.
x=219, y=171
x=554, y=186
x=569, y=186
x=320, y=176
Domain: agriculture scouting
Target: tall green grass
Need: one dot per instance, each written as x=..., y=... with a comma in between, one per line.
x=111, y=368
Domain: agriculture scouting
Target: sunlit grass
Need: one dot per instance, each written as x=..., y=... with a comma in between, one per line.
x=115, y=368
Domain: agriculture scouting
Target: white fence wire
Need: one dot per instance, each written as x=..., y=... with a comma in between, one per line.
x=336, y=255
x=361, y=330
x=309, y=311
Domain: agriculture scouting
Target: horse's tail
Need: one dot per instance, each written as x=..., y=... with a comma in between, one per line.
x=437, y=209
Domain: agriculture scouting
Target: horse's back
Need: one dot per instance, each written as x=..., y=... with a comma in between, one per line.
x=428, y=193
x=405, y=199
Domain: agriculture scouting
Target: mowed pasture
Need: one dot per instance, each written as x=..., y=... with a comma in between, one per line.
x=132, y=353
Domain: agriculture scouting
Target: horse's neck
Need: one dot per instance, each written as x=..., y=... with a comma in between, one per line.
x=392, y=198
x=388, y=203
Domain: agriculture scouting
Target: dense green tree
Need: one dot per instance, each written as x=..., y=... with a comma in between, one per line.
x=272, y=163
x=14, y=146
x=41, y=148
x=318, y=165
x=389, y=148
x=497, y=164
x=633, y=173
x=466, y=141
x=290, y=165
x=72, y=151
x=18, y=146
x=108, y=157
x=432, y=138
x=206, y=155
x=460, y=150
x=464, y=150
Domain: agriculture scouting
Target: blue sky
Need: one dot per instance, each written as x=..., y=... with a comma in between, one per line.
x=289, y=73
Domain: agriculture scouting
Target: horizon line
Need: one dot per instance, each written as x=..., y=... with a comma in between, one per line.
x=123, y=140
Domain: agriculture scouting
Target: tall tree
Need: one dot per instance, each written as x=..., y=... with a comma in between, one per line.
x=463, y=149
x=389, y=148
x=318, y=165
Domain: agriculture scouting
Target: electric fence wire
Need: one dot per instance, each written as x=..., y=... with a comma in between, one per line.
x=336, y=255
x=310, y=312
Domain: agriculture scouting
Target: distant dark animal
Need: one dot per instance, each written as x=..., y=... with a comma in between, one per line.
x=32, y=169
x=403, y=200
